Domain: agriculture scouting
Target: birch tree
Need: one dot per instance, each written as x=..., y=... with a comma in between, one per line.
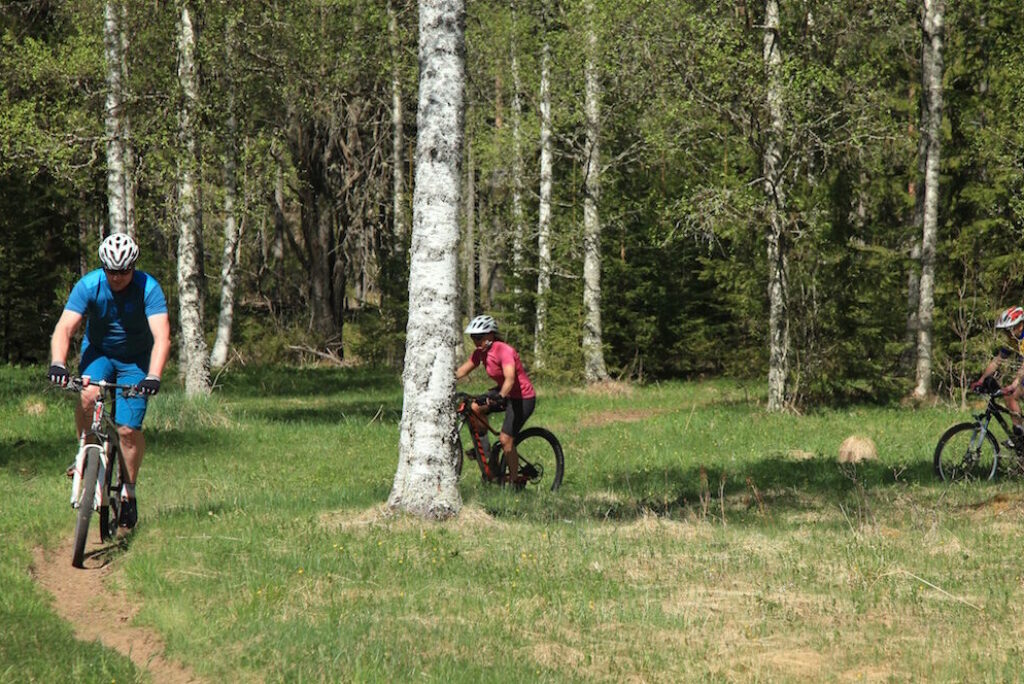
x=778, y=322
x=114, y=127
x=194, y=359
x=518, y=172
x=544, y=208
x=425, y=482
x=229, y=260
x=397, y=137
x=593, y=354
x=932, y=18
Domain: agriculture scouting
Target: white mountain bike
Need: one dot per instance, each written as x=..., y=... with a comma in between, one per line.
x=99, y=469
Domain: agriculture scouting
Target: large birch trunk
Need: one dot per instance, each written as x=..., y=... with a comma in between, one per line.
x=229, y=260
x=544, y=209
x=126, y=130
x=778, y=319
x=114, y=60
x=932, y=21
x=425, y=482
x=401, y=228
x=194, y=358
x=593, y=354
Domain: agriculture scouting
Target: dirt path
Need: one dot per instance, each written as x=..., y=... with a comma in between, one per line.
x=78, y=594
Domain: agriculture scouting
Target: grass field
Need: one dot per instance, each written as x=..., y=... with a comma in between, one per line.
x=695, y=538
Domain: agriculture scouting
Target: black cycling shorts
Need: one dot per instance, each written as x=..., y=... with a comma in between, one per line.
x=516, y=413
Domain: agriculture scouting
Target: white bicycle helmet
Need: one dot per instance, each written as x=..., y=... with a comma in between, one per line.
x=118, y=252
x=1010, y=318
x=481, y=325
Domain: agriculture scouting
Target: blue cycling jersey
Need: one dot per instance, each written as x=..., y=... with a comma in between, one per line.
x=117, y=322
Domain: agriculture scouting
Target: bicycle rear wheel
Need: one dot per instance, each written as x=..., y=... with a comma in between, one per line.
x=964, y=454
x=541, y=461
x=85, y=502
x=113, y=479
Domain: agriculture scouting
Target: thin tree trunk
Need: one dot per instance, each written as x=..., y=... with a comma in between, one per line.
x=229, y=262
x=778, y=319
x=401, y=228
x=425, y=482
x=126, y=129
x=593, y=354
x=112, y=118
x=544, y=209
x=518, y=184
x=194, y=355
x=933, y=11
x=469, y=246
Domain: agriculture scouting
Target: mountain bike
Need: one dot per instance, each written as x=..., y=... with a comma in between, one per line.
x=970, y=451
x=99, y=468
x=541, y=460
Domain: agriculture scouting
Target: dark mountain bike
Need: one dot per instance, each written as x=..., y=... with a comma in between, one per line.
x=99, y=468
x=971, y=451
x=541, y=462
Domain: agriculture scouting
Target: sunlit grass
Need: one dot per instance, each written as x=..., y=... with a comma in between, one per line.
x=694, y=538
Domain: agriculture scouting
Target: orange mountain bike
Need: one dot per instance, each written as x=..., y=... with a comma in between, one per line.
x=541, y=462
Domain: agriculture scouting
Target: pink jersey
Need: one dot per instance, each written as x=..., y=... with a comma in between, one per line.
x=500, y=354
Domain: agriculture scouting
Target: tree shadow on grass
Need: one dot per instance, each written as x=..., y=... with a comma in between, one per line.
x=330, y=412
x=748, y=493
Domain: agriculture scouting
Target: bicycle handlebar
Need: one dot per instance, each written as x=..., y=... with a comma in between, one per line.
x=77, y=384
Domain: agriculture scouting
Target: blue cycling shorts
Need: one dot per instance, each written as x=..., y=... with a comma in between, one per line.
x=129, y=412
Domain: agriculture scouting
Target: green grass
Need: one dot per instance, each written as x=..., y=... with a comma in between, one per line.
x=694, y=538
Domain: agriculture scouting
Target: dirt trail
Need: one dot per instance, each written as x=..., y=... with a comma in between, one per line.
x=80, y=594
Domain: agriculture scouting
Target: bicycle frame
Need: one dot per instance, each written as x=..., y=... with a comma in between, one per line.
x=466, y=416
x=993, y=410
x=99, y=433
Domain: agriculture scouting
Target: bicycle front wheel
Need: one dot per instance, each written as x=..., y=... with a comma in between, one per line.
x=541, y=461
x=964, y=453
x=85, y=502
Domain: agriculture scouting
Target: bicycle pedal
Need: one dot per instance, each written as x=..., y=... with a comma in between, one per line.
x=529, y=472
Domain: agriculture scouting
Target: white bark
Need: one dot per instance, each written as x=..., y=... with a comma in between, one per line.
x=126, y=130
x=933, y=19
x=116, y=212
x=229, y=261
x=397, y=139
x=544, y=209
x=469, y=241
x=778, y=320
x=194, y=358
x=593, y=354
x=518, y=173
x=425, y=482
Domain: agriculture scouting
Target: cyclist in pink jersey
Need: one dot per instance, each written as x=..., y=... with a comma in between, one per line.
x=514, y=393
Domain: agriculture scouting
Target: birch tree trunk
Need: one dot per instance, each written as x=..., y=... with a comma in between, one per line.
x=114, y=60
x=126, y=130
x=194, y=357
x=778, y=319
x=932, y=24
x=593, y=354
x=544, y=209
x=425, y=482
x=518, y=184
x=469, y=246
x=397, y=139
x=229, y=261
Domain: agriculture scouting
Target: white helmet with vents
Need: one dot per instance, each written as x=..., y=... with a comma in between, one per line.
x=1010, y=318
x=481, y=325
x=118, y=252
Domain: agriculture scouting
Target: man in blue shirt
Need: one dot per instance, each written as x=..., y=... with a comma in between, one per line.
x=127, y=340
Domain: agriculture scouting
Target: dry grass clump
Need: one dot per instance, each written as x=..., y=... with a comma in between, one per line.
x=33, y=407
x=470, y=518
x=857, y=449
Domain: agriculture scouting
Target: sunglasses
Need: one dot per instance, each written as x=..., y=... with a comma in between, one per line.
x=477, y=338
x=122, y=272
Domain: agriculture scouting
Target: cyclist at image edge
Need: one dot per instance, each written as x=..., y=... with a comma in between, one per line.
x=127, y=340
x=514, y=394
x=1011, y=321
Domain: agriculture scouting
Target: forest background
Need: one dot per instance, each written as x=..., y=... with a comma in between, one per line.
x=293, y=118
